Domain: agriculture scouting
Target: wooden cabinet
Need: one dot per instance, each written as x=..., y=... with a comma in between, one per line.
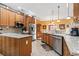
x=0, y=45
x=15, y=46
x=47, y=38
x=38, y=31
x=51, y=40
x=65, y=49
x=12, y=18
x=7, y=17
x=17, y=17
x=31, y=20
x=44, y=37
x=4, y=17
x=76, y=9
x=25, y=45
x=25, y=21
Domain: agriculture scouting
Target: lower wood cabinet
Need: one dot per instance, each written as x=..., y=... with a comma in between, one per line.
x=65, y=49
x=15, y=47
x=0, y=45
x=48, y=39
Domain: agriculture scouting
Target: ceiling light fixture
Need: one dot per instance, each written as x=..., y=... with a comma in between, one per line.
x=68, y=17
x=58, y=20
x=51, y=17
x=52, y=22
x=58, y=11
x=58, y=6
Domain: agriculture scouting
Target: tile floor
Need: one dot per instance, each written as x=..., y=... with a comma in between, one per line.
x=38, y=50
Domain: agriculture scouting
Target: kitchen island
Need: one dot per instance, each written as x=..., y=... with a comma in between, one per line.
x=13, y=44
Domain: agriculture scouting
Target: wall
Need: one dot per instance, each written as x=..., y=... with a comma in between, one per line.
x=65, y=21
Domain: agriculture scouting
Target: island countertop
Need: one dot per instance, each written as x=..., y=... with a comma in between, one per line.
x=15, y=35
x=72, y=43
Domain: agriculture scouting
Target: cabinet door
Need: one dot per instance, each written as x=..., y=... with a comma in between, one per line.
x=76, y=9
x=48, y=39
x=3, y=16
x=3, y=45
x=25, y=46
x=51, y=42
x=11, y=18
x=25, y=21
x=65, y=49
x=22, y=18
x=29, y=45
x=33, y=20
x=0, y=44
x=17, y=17
x=45, y=38
x=7, y=46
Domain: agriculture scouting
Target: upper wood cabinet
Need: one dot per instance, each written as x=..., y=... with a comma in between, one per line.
x=4, y=17
x=25, y=21
x=31, y=20
x=76, y=9
x=7, y=17
x=12, y=18
x=17, y=17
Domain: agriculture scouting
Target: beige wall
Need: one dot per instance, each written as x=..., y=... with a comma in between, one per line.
x=65, y=21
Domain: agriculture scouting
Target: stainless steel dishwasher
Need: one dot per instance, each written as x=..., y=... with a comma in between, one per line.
x=58, y=44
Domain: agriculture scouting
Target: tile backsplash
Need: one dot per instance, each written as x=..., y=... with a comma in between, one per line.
x=7, y=29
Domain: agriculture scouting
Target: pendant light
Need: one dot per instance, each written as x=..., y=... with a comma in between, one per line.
x=58, y=6
x=51, y=17
x=68, y=17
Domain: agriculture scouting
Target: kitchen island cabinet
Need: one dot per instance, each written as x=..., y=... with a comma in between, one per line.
x=15, y=45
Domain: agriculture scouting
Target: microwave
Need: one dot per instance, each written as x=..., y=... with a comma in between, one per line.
x=74, y=32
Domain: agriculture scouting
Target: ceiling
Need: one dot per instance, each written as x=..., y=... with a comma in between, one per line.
x=44, y=11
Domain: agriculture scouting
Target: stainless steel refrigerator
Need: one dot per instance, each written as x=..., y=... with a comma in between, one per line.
x=32, y=30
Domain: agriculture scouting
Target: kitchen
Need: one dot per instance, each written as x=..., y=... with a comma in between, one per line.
x=53, y=30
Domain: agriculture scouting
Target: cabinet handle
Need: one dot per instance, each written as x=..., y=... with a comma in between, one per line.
x=26, y=42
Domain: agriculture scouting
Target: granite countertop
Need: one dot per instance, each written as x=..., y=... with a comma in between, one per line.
x=15, y=35
x=71, y=41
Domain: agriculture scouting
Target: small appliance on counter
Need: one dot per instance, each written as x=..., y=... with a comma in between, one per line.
x=19, y=26
x=74, y=32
